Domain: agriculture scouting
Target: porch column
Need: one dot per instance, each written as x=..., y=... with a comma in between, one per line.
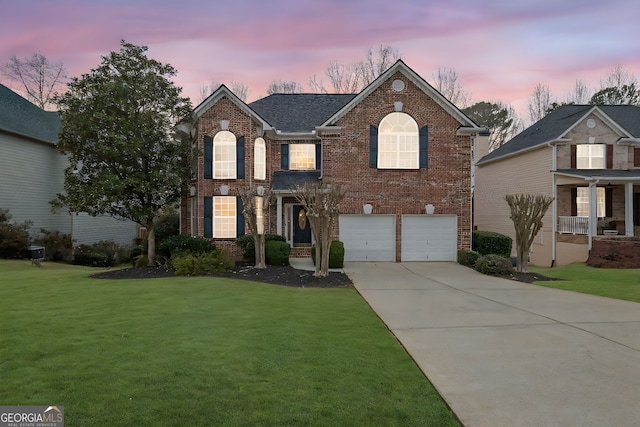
x=279, y=215
x=593, y=211
x=628, y=209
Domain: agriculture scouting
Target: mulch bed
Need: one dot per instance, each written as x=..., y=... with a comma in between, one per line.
x=276, y=275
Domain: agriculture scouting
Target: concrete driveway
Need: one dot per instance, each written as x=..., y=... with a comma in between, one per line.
x=503, y=353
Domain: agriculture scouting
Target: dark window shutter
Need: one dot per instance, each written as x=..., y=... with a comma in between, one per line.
x=284, y=156
x=318, y=156
x=608, y=201
x=240, y=158
x=240, y=221
x=609, y=155
x=636, y=157
x=424, y=147
x=373, y=146
x=208, y=217
x=574, y=203
x=208, y=157
x=573, y=156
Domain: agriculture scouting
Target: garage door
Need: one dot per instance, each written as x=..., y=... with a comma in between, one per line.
x=429, y=237
x=368, y=237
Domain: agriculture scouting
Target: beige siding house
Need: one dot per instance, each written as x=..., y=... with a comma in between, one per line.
x=588, y=159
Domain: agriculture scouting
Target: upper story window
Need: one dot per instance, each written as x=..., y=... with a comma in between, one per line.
x=591, y=156
x=302, y=156
x=224, y=155
x=260, y=159
x=398, y=144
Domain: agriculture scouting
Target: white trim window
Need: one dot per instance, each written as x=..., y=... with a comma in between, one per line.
x=591, y=156
x=224, y=217
x=582, y=201
x=224, y=155
x=398, y=142
x=260, y=159
x=302, y=156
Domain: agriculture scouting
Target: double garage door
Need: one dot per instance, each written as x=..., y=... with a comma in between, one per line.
x=423, y=237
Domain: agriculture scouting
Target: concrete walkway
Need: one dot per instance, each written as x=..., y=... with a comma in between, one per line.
x=503, y=353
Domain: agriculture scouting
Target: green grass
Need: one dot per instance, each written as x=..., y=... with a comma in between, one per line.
x=607, y=282
x=202, y=351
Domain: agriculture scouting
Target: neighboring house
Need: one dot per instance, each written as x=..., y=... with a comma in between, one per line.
x=395, y=147
x=32, y=174
x=588, y=159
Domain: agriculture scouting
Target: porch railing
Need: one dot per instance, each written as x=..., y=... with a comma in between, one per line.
x=573, y=224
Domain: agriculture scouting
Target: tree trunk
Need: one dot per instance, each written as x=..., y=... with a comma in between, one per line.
x=258, y=242
x=151, y=244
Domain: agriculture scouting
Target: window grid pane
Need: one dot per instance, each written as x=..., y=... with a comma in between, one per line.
x=582, y=201
x=590, y=156
x=260, y=159
x=224, y=155
x=398, y=143
x=302, y=156
x=224, y=217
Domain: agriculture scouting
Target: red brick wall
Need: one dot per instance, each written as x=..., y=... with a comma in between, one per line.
x=615, y=252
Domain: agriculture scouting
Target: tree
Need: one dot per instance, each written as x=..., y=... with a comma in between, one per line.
x=539, y=102
x=627, y=95
x=38, y=78
x=254, y=202
x=126, y=158
x=527, y=211
x=580, y=94
x=499, y=118
x=281, y=86
x=320, y=201
x=447, y=82
x=353, y=77
x=618, y=77
x=239, y=89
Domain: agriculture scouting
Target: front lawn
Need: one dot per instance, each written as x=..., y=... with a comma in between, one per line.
x=607, y=282
x=202, y=351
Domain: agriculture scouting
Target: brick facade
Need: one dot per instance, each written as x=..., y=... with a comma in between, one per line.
x=615, y=252
x=446, y=183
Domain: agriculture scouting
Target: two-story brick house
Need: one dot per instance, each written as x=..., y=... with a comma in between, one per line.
x=586, y=157
x=395, y=147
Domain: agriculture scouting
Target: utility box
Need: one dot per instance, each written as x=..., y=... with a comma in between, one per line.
x=36, y=252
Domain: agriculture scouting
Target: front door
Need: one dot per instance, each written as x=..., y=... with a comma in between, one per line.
x=301, y=227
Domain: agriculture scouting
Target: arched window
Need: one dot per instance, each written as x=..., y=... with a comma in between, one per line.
x=398, y=142
x=260, y=159
x=224, y=155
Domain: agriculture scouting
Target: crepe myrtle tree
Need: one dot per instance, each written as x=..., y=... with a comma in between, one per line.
x=527, y=211
x=255, y=201
x=320, y=200
x=126, y=156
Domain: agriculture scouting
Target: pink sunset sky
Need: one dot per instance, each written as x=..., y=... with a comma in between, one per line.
x=500, y=49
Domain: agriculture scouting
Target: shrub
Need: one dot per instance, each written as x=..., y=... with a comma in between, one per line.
x=468, y=258
x=141, y=261
x=14, y=238
x=57, y=246
x=489, y=242
x=87, y=255
x=277, y=252
x=199, y=264
x=184, y=244
x=494, y=265
x=336, y=254
x=248, y=247
x=167, y=225
x=109, y=248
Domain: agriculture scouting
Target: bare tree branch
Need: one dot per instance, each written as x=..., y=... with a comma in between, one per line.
x=38, y=78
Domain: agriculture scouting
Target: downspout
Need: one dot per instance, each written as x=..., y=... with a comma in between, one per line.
x=554, y=204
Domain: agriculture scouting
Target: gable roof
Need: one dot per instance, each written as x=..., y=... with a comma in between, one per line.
x=224, y=92
x=555, y=125
x=21, y=117
x=299, y=112
x=403, y=68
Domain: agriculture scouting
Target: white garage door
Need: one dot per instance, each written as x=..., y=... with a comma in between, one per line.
x=368, y=237
x=429, y=237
